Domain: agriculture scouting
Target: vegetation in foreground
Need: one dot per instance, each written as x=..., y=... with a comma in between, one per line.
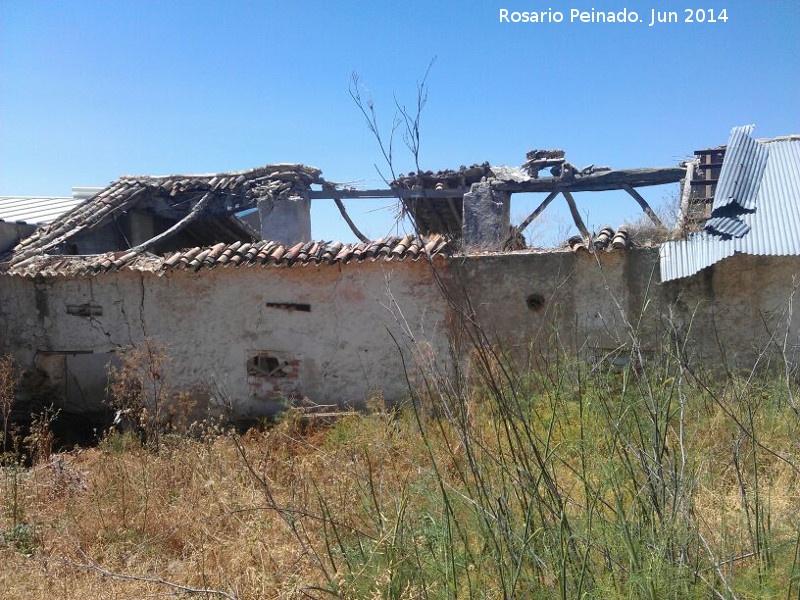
x=569, y=479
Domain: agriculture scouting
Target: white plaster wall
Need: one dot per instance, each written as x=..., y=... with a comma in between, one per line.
x=213, y=320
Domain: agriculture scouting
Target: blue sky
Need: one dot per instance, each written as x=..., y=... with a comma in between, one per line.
x=90, y=91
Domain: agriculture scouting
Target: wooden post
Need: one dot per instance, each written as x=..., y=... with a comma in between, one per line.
x=686, y=198
x=454, y=212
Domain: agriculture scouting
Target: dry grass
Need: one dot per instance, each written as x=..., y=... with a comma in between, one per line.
x=356, y=509
x=192, y=513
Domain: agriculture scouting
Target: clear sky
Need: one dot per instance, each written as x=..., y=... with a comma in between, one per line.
x=90, y=91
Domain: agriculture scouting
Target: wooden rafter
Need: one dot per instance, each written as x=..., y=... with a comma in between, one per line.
x=596, y=182
x=349, y=221
x=451, y=203
x=192, y=215
x=550, y=197
x=440, y=224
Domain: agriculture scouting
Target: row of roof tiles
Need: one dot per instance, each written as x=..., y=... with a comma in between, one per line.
x=237, y=254
x=269, y=253
x=265, y=253
x=606, y=240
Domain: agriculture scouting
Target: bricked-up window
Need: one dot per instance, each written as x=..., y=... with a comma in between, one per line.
x=264, y=365
x=273, y=374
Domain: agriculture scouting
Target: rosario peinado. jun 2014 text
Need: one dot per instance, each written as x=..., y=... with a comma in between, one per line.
x=650, y=18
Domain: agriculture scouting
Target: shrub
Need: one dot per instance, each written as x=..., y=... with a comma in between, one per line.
x=139, y=390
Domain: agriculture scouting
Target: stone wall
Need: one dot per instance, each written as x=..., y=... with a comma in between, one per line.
x=335, y=333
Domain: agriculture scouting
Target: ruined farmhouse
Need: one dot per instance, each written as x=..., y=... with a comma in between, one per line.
x=255, y=312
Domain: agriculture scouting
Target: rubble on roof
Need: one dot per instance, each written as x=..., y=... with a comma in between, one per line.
x=444, y=179
x=538, y=160
x=157, y=215
x=442, y=210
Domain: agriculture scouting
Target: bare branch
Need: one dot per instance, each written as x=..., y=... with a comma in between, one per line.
x=411, y=122
x=403, y=117
x=367, y=107
x=154, y=580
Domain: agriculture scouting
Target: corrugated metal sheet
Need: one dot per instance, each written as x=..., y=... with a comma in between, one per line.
x=37, y=210
x=742, y=170
x=731, y=226
x=774, y=221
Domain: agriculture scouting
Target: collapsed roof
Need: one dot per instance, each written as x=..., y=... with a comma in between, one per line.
x=755, y=209
x=440, y=214
x=435, y=200
x=185, y=210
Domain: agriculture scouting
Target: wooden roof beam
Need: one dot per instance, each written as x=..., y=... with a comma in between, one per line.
x=597, y=182
x=531, y=217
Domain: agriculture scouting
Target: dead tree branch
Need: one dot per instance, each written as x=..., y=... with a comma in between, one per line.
x=367, y=107
x=408, y=119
